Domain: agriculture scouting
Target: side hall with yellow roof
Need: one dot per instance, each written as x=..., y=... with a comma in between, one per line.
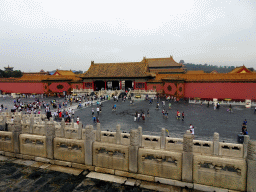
x=164, y=75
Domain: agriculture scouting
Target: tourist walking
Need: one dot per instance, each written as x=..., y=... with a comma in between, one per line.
x=77, y=120
x=157, y=105
x=230, y=108
x=170, y=105
x=166, y=114
x=92, y=111
x=183, y=116
x=192, y=131
x=148, y=113
x=178, y=114
x=143, y=116
x=94, y=119
x=98, y=111
x=138, y=116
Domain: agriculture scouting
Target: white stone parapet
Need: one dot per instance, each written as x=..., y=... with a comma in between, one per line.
x=185, y=161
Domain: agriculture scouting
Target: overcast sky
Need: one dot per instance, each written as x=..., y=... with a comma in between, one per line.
x=47, y=35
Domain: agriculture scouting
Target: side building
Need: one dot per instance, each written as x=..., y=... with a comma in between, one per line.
x=61, y=82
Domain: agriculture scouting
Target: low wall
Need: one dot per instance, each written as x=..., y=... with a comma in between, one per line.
x=111, y=156
x=160, y=163
x=161, y=159
x=6, y=141
x=71, y=150
x=34, y=145
x=220, y=172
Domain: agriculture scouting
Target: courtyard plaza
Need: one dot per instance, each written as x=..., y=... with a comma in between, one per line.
x=205, y=119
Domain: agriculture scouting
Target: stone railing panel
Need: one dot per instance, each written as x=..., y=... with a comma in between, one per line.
x=108, y=137
x=6, y=141
x=220, y=172
x=231, y=149
x=57, y=131
x=71, y=133
x=174, y=144
x=71, y=150
x=203, y=147
x=10, y=126
x=39, y=129
x=160, y=163
x=34, y=145
x=111, y=156
x=125, y=138
x=25, y=127
x=149, y=141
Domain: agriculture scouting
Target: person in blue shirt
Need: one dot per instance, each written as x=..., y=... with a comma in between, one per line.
x=245, y=122
x=94, y=119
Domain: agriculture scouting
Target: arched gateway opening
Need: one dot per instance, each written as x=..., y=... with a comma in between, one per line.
x=98, y=85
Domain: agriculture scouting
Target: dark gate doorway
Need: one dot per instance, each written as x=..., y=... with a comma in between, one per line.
x=128, y=85
x=98, y=85
x=115, y=85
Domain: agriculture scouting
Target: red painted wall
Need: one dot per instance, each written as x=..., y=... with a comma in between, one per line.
x=21, y=87
x=77, y=86
x=54, y=89
x=153, y=86
x=170, y=88
x=221, y=90
x=180, y=89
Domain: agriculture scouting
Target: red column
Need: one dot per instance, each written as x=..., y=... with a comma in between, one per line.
x=83, y=85
x=105, y=85
x=134, y=85
x=146, y=88
x=93, y=85
x=120, y=85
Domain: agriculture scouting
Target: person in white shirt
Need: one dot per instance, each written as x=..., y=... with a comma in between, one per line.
x=77, y=120
x=192, y=131
x=98, y=110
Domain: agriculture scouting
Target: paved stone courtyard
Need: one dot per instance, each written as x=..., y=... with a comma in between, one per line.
x=205, y=120
x=18, y=177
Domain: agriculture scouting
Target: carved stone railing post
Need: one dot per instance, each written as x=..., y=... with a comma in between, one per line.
x=98, y=133
x=118, y=134
x=163, y=138
x=187, y=157
x=133, y=151
x=50, y=134
x=140, y=136
x=79, y=130
x=72, y=123
x=16, y=133
x=40, y=119
x=245, y=145
x=88, y=144
x=216, y=139
x=31, y=124
x=251, y=166
x=4, y=123
x=62, y=128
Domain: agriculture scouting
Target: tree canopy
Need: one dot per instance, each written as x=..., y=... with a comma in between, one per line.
x=7, y=74
x=208, y=68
